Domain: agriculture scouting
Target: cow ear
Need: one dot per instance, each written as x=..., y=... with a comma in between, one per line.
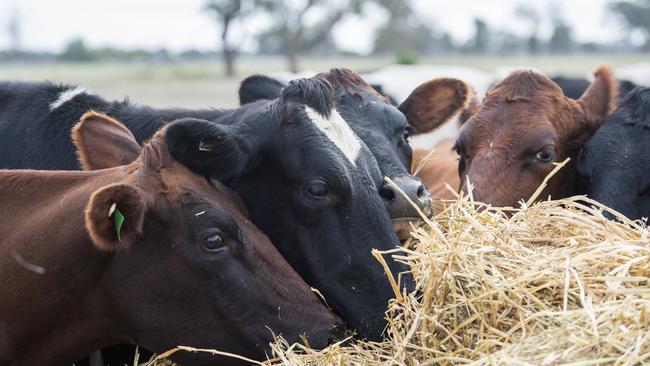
x=601, y=97
x=115, y=216
x=470, y=110
x=209, y=149
x=435, y=102
x=259, y=87
x=102, y=142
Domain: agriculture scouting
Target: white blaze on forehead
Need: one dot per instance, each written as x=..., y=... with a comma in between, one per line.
x=66, y=96
x=338, y=131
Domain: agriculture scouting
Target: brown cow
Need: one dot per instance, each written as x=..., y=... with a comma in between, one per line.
x=525, y=125
x=187, y=267
x=437, y=167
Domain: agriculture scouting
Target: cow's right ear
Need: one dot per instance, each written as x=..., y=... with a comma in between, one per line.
x=102, y=142
x=217, y=151
x=115, y=216
x=259, y=87
x=434, y=102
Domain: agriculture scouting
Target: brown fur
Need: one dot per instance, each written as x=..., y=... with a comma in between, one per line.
x=436, y=168
x=70, y=287
x=346, y=80
x=90, y=134
x=520, y=116
x=436, y=101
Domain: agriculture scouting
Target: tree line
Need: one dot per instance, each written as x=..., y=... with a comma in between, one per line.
x=304, y=27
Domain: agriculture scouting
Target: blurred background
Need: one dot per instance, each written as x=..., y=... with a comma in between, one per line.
x=193, y=53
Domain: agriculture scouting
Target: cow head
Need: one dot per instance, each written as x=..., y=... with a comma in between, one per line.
x=384, y=128
x=614, y=162
x=312, y=185
x=525, y=125
x=187, y=266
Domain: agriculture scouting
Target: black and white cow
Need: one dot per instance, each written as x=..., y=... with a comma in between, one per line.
x=614, y=162
x=384, y=127
x=309, y=182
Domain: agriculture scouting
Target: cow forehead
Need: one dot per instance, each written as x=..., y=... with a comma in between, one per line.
x=337, y=130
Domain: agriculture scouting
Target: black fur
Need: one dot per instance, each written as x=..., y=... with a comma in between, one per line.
x=271, y=154
x=575, y=87
x=614, y=162
x=259, y=87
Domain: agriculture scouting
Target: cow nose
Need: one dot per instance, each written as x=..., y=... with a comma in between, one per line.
x=326, y=335
x=398, y=205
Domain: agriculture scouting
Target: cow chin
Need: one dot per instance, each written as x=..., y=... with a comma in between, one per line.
x=403, y=226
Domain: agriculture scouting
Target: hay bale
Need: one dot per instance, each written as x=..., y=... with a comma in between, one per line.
x=555, y=283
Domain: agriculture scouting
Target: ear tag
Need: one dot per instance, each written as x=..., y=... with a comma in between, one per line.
x=204, y=147
x=118, y=219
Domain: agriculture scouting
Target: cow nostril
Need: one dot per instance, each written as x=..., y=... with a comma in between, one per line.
x=421, y=192
x=387, y=192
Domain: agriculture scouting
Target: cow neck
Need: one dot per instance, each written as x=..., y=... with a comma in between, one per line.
x=55, y=259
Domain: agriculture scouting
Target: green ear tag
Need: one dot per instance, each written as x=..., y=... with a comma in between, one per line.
x=118, y=220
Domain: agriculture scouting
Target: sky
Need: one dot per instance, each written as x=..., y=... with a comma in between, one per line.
x=181, y=24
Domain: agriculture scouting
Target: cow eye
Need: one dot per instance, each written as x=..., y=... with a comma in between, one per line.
x=406, y=132
x=317, y=189
x=214, y=242
x=545, y=155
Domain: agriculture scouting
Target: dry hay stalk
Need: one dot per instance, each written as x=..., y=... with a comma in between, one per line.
x=555, y=283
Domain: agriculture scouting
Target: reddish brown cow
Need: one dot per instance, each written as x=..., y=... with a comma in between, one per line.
x=187, y=267
x=525, y=125
x=436, y=168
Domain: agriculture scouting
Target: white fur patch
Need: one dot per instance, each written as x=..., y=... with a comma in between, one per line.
x=66, y=96
x=338, y=131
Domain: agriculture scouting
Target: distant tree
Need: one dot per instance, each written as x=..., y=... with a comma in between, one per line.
x=293, y=34
x=76, y=50
x=636, y=16
x=561, y=40
x=224, y=13
x=481, y=39
x=403, y=34
x=531, y=17
x=13, y=30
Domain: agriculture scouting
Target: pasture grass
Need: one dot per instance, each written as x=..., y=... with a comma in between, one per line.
x=554, y=283
x=202, y=84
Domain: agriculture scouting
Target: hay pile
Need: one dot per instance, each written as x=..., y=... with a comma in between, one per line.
x=555, y=283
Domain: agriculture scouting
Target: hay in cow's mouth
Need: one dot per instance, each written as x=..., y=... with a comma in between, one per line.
x=554, y=283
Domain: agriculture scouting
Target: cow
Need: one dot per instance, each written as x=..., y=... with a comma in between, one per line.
x=384, y=128
x=614, y=162
x=183, y=265
x=523, y=127
x=437, y=168
x=308, y=181
x=573, y=87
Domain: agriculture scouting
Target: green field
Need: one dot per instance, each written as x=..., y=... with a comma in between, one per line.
x=202, y=84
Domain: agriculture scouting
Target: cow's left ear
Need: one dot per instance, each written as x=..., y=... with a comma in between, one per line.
x=434, y=102
x=259, y=87
x=115, y=216
x=218, y=151
x=601, y=97
x=103, y=142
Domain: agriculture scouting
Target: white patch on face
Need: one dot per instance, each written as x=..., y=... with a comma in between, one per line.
x=66, y=96
x=338, y=131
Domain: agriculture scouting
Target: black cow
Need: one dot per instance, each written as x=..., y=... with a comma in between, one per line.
x=614, y=162
x=383, y=127
x=574, y=88
x=309, y=182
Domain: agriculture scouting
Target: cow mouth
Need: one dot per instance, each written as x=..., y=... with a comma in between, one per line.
x=402, y=226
